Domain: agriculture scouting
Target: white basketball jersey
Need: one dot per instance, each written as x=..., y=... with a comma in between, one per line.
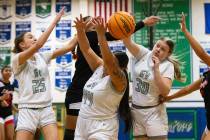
x=100, y=99
x=34, y=81
x=145, y=91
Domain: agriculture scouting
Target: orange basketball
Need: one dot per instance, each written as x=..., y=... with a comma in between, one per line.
x=121, y=24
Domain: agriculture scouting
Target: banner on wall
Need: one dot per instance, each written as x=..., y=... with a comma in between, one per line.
x=61, y=3
x=63, y=30
x=182, y=124
x=41, y=27
x=164, y=28
x=116, y=46
x=47, y=47
x=5, y=9
x=43, y=8
x=64, y=60
x=5, y=56
x=62, y=78
x=202, y=66
x=22, y=26
x=23, y=8
x=207, y=18
x=5, y=32
x=105, y=8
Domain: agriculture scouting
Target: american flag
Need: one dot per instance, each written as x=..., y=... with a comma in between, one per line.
x=105, y=8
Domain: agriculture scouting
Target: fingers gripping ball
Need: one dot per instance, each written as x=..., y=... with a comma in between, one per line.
x=121, y=24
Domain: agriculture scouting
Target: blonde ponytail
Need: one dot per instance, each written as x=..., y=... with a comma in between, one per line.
x=177, y=69
x=177, y=65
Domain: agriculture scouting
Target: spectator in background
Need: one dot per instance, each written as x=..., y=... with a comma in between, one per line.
x=6, y=115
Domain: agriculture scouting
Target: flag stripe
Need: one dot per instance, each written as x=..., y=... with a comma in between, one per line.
x=100, y=7
x=110, y=8
x=115, y=5
x=95, y=8
x=105, y=8
x=126, y=5
x=120, y=5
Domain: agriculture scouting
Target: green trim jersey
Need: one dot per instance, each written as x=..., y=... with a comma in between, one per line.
x=145, y=91
x=34, y=81
x=100, y=99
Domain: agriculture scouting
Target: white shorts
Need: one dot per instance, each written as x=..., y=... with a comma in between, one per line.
x=1, y=120
x=150, y=122
x=31, y=119
x=96, y=129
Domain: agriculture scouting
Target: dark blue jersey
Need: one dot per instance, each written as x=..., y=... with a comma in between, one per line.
x=6, y=111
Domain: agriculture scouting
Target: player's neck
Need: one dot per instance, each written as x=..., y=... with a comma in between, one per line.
x=5, y=80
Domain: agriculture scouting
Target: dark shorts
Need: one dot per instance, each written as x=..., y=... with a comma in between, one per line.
x=5, y=112
x=72, y=103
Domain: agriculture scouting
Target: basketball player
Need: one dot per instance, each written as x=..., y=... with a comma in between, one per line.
x=31, y=71
x=105, y=91
x=203, y=83
x=6, y=116
x=83, y=72
x=152, y=74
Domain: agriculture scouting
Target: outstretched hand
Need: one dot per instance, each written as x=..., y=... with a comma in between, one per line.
x=80, y=24
x=60, y=14
x=99, y=25
x=152, y=20
x=182, y=23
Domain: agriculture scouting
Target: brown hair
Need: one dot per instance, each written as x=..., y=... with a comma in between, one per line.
x=172, y=58
x=17, y=41
x=5, y=67
x=124, y=108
